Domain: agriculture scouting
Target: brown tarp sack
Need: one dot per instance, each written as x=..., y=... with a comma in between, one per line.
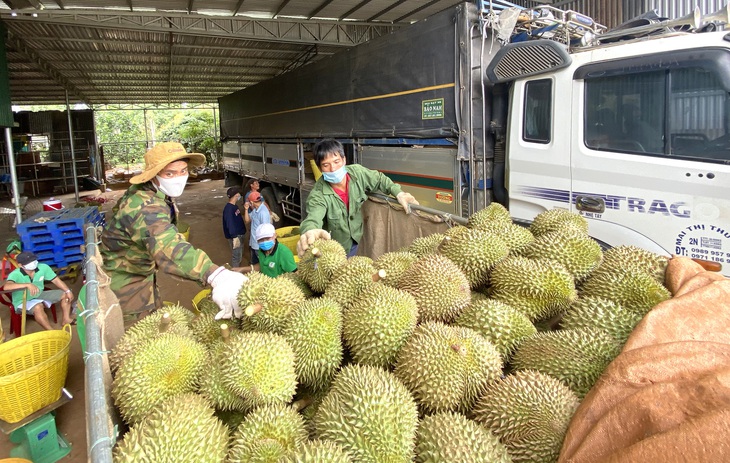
x=666, y=397
x=386, y=228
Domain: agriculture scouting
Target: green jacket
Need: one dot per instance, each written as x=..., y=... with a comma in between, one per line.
x=326, y=210
x=142, y=237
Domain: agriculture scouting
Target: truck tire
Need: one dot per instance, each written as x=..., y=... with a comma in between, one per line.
x=274, y=207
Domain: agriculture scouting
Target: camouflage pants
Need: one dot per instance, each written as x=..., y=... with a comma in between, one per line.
x=137, y=298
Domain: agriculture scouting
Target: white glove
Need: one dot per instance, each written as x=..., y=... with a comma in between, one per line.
x=405, y=200
x=310, y=237
x=226, y=285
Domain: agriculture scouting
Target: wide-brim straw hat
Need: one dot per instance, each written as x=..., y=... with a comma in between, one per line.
x=163, y=154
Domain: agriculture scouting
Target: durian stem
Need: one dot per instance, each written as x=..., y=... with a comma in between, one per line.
x=225, y=332
x=165, y=322
x=316, y=252
x=253, y=309
x=379, y=275
x=301, y=404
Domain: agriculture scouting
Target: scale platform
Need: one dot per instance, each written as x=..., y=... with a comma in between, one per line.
x=36, y=436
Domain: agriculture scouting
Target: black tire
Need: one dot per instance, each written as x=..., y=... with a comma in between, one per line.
x=274, y=207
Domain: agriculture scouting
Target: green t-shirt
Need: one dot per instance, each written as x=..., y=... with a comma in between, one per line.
x=281, y=260
x=42, y=274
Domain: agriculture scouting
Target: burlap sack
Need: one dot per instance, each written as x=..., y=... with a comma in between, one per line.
x=666, y=397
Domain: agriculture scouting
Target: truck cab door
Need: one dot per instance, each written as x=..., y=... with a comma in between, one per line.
x=651, y=152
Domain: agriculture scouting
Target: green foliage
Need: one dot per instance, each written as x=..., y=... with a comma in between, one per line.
x=122, y=134
x=194, y=129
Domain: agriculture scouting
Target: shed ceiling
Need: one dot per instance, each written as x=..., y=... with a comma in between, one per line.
x=155, y=53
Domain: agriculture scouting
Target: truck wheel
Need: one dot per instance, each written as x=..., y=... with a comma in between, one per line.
x=274, y=207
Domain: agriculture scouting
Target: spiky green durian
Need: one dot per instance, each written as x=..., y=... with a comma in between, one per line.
x=370, y=414
x=394, y=264
x=539, y=288
x=354, y=275
x=267, y=302
x=320, y=262
x=181, y=428
x=318, y=451
x=500, y=324
x=576, y=357
x=529, y=412
x=514, y=236
x=426, y=245
x=446, y=367
x=259, y=367
x=167, y=365
x=474, y=251
x=578, y=252
x=176, y=322
x=296, y=278
x=314, y=332
x=602, y=314
x=493, y=214
x=308, y=402
x=266, y=434
x=633, y=289
x=624, y=257
x=207, y=306
x=558, y=220
x=440, y=288
x=211, y=383
x=206, y=329
x=231, y=418
x=378, y=323
x=451, y=437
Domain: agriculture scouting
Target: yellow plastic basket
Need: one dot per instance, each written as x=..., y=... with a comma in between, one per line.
x=199, y=297
x=33, y=371
x=184, y=229
x=289, y=241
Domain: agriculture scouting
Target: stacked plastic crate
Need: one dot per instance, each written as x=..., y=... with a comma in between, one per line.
x=56, y=237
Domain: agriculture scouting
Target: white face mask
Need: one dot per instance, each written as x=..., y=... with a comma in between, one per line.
x=31, y=266
x=172, y=187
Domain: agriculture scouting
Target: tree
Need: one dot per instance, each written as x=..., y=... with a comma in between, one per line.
x=122, y=134
x=195, y=130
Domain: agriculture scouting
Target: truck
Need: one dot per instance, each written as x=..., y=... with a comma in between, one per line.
x=534, y=109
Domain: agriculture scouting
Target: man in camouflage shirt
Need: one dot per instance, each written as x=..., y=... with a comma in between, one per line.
x=142, y=238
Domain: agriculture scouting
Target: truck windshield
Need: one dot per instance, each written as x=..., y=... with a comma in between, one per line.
x=681, y=112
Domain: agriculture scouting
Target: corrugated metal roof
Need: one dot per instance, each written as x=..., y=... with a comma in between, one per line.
x=169, y=52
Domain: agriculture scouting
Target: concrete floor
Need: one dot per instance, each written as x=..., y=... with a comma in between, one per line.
x=200, y=205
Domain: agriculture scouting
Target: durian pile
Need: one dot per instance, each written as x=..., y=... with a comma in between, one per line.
x=475, y=345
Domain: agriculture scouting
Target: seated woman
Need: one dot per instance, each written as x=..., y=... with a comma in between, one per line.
x=273, y=258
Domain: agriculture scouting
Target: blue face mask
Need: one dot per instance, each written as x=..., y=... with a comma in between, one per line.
x=266, y=245
x=336, y=176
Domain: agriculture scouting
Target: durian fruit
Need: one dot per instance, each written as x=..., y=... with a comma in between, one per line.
x=558, y=220
x=318, y=451
x=354, y=275
x=439, y=287
x=320, y=263
x=500, y=324
x=167, y=365
x=632, y=289
x=370, y=414
x=172, y=319
x=307, y=401
x=266, y=434
x=394, y=264
x=211, y=382
x=529, y=412
x=378, y=323
x=493, y=214
x=474, y=251
x=297, y=279
x=268, y=302
x=231, y=418
x=425, y=245
x=447, y=367
x=602, y=314
x=514, y=236
x=314, y=332
x=575, y=357
x=451, y=437
x=579, y=253
x=207, y=306
x=206, y=329
x=259, y=367
x=623, y=257
x=539, y=288
x=181, y=428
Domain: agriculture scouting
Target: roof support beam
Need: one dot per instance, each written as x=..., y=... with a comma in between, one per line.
x=21, y=46
x=131, y=7
x=238, y=7
x=354, y=9
x=282, y=5
x=190, y=6
x=283, y=31
x=321, y=7
x=385, y=10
